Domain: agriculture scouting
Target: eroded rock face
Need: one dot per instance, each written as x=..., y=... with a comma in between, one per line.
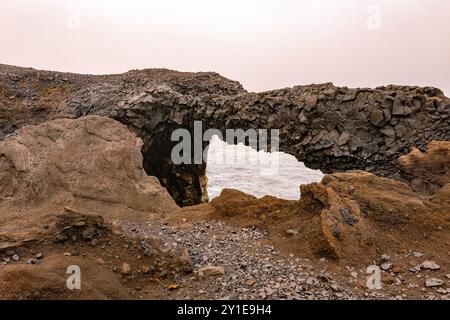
x=427, y=171
x=91, y=158
x=338, y=229
x=327, y=127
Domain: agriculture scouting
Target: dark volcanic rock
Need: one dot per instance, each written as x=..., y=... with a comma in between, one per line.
x=327, y=127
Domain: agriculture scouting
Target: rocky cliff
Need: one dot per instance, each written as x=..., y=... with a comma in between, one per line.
x=327, y=127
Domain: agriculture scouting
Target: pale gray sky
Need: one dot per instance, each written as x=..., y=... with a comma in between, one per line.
x=264, y=44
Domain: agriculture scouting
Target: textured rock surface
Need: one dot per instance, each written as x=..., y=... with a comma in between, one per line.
x=327, y=127
x=430, y=170
x=47, y=281
x=91, y=158
x=92, y=165
x=63, y=243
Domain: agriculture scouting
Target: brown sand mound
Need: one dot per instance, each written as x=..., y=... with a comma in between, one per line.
x=327, y=127
x=113, y=265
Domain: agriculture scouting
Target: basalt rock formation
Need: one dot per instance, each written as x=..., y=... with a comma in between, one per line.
x=84, y=161
x=326, y=127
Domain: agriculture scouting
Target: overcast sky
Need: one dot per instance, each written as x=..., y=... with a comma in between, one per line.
x=264, y=44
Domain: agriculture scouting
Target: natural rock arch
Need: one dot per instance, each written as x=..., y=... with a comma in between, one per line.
x=327, y=127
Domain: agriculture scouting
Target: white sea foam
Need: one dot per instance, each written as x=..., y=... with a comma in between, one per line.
x=251, y=172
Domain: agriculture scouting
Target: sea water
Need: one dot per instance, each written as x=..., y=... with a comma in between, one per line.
x=255, y=172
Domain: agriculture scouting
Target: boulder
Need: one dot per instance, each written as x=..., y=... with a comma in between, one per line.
x=428, y=171
x=434, y=282
x=87, y=159
x=377, y=119
x=92, y=164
